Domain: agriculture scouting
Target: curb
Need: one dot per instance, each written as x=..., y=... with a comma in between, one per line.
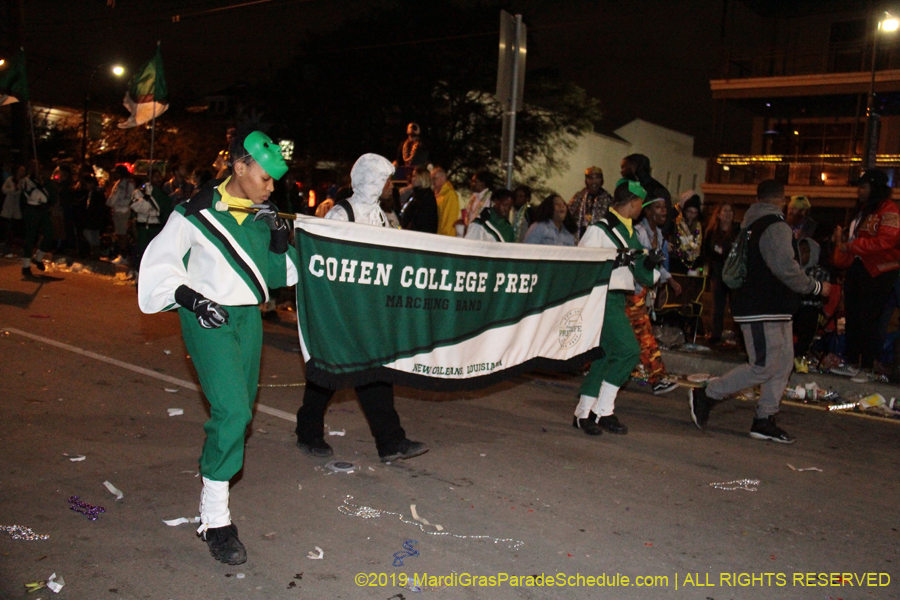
x=709, y=362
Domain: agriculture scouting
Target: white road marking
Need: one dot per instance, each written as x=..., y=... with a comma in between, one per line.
x=190, y=385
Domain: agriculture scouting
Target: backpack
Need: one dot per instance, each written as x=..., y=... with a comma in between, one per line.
x=734, y=273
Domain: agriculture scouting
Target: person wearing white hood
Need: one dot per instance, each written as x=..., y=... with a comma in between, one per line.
x=370, y=179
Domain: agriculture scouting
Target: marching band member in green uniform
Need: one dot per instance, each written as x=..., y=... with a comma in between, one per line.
x=215, y=265
x=620, y=348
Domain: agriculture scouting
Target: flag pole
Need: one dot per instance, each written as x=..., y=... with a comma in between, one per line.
x=37, y=164
x=153, y=122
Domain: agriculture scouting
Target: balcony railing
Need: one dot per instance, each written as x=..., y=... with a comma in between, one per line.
x=838, y=58
x=796, y=169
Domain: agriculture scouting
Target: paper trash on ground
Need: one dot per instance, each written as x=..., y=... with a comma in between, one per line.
x=114, y=490
x=55, y=583
x=175, y=412
x=181, y=521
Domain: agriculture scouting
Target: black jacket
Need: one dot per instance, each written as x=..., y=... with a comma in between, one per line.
x=775, y=280
x=420, y=212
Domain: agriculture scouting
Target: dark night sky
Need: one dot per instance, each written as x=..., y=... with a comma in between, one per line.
x=641, y=58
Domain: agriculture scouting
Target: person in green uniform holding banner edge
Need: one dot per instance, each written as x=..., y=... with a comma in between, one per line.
x=215, y=266
x=621, y=352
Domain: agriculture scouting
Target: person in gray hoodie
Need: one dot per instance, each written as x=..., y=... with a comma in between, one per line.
x=763, y=307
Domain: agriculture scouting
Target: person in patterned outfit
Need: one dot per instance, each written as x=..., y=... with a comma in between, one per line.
x=589, y=205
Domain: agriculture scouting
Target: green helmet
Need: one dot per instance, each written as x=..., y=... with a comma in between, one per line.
x=267, y=153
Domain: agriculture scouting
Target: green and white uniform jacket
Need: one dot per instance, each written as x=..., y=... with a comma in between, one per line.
x=610, y=232
x=211, y=253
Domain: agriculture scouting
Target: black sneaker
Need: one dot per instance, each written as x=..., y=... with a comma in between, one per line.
x=664, y=386
x=611, y=424
x=588, y=425
x=404, y=449
x=26, y=273
x=701, y=404
x=39, y=264
x=317, y=447
x=225, y=546
x=766, y=429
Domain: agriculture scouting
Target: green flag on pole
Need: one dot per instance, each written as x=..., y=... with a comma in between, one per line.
x=14, y=82
x=147, y=95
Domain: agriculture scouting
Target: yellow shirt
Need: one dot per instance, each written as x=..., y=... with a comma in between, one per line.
x=448, y=210
x=232, y=201
x=625, y=222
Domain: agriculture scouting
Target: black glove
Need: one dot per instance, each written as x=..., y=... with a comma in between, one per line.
x=625, y=258
x=209, y=314
x=268, y=213
x=654, y=258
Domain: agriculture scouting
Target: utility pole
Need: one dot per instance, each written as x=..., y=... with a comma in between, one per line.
x=510, y=84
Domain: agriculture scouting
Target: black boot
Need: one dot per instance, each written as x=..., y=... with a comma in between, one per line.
x=225, y=546
x=611, y=424
x=26, y=273
x=317, y=447
x=588, y=425
x=39, y=264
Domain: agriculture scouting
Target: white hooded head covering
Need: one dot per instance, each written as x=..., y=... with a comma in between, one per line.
x=367, y=178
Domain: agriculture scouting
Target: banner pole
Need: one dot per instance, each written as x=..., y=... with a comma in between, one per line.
x=153, y=120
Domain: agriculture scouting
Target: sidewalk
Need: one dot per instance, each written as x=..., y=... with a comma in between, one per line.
x=717, y=363
x=69, y=264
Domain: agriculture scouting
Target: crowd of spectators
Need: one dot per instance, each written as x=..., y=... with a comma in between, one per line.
x=88, y=212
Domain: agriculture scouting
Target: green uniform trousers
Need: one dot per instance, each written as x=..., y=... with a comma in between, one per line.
x=37, y=222
x=227, y=363
x=621, y=351
x=145, y=235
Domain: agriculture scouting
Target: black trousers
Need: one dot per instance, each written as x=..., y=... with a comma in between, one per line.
x=864, y=299
x=377, y=402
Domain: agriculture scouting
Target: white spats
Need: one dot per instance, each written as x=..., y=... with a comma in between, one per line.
x=214, y=505
x=606, y=401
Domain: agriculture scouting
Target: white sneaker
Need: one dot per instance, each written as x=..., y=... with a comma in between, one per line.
x=845, y=370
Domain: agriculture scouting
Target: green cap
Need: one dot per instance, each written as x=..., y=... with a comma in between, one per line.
x=634, y=187
x=267, y=153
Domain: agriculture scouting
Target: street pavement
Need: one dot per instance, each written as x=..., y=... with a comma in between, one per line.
x=509, y=488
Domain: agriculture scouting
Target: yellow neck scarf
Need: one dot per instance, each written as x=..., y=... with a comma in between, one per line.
x=626, y=222
x=232, y=201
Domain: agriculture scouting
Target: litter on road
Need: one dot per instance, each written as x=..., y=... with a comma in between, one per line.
x=19, y=532
x=181, y=521
x=367, y=512
x=412, y=509
x=175, y=412
x=313, y=556
x=114, y=490
x=793, y=468
x=737, y=484
x=407, y=552
x=88, y=510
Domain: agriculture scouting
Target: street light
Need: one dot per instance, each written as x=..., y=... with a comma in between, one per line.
x=888, y=24
x=116, y=70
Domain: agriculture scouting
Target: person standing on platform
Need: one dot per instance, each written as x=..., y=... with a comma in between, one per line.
x=447, y=202
x=589, y=205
